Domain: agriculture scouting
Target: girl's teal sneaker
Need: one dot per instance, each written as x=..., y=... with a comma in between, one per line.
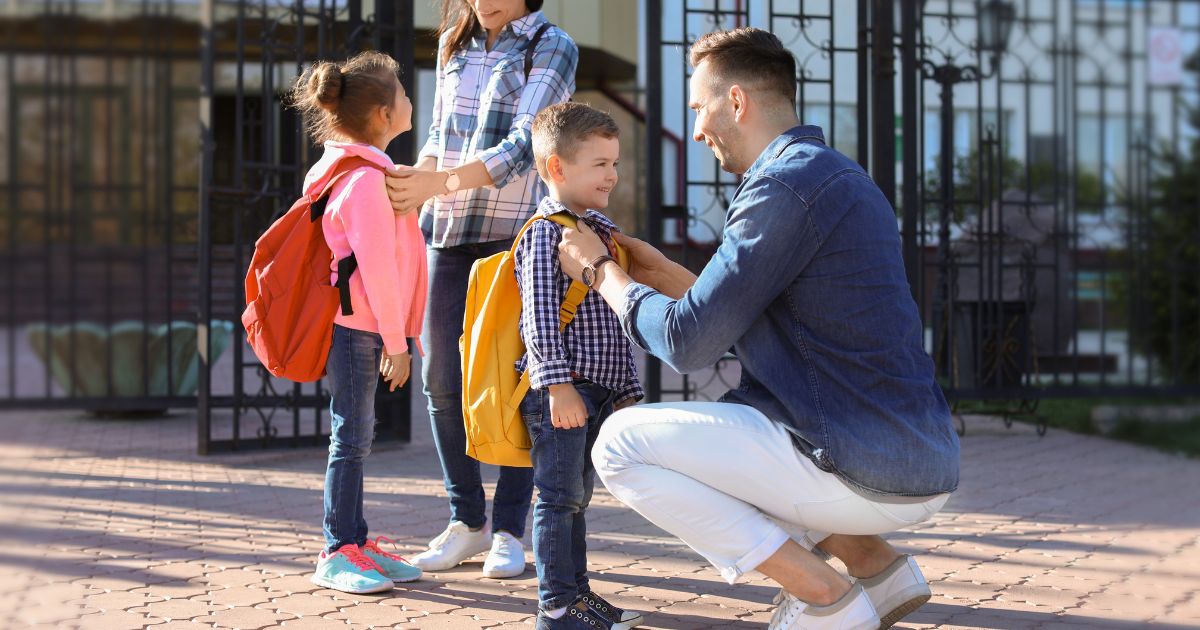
x=392, y=565
x=350, y=571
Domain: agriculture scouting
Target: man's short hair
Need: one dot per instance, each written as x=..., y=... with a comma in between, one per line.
x=558, y=130
x=748, y=56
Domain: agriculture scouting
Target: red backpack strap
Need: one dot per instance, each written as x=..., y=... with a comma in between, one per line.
x=344, y=166
x=347, y=265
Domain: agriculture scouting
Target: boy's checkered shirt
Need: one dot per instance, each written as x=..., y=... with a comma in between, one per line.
x=483, y=109
x=593, y=346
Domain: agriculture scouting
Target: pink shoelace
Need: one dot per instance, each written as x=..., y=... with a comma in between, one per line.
x=373, y=545
x=356, y=557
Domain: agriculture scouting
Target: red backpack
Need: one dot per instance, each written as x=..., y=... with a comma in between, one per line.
x=290, y=304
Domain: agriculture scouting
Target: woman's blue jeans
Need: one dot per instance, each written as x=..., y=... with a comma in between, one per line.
x=449, y=269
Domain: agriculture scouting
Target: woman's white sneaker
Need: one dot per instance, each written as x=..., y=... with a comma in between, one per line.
x=451, y=547
x=507, y=557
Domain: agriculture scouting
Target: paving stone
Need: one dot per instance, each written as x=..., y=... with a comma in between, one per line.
x=1037, y=536
x=318, y=623
x=176, y=609
x=304, y=605
x=117, y=600
x=232, y=577
x=176, y=625
x=244, y=618
x=369, y=615
x=236, y=596
x=174, y=589
x=291, y=584
x=118, y=620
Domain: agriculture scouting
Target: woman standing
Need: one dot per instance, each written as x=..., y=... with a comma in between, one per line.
x=499, y=63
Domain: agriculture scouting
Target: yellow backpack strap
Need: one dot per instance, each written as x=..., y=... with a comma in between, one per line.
x=577, y=290
x=622, y=255
x=566, y=313
x=528, y=224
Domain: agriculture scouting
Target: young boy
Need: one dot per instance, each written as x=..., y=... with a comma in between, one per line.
x=577, y=377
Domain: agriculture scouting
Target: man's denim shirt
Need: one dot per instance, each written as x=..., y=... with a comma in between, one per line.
x=808, y=288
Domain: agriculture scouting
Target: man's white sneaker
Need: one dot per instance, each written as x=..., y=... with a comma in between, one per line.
x=507, y=557
x=852, y=612
x=897, y=590
x=451, y=547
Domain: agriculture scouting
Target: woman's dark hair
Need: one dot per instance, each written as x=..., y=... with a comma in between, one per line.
x=458, y=19
x=339, y=99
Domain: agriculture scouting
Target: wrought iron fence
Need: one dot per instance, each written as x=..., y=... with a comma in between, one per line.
x=1042, y=174
x=1044, y=179
x=255, y=158
x=145, y=149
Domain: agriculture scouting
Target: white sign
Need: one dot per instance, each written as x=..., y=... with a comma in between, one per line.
x=1164, y=55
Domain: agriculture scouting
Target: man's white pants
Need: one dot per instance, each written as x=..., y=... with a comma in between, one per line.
x=731, y=484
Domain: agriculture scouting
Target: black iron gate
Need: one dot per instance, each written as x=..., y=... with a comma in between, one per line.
x=840, y=84
x=1041, y=157
x=98, y=206
x=1054, y=240
x=255, y=157
x=127, y=227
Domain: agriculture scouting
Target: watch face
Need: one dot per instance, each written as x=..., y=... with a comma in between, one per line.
x=589, y=276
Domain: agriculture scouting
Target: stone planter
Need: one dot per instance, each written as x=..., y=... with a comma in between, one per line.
x=141, y=357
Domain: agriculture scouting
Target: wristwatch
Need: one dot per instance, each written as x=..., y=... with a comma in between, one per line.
x=452, y=182
x=592, y=268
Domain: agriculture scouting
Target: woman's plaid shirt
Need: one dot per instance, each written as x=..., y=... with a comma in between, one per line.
x=593, y=346
x=483, y=109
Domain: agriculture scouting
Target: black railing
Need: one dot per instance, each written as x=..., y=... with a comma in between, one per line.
x=1045, y=189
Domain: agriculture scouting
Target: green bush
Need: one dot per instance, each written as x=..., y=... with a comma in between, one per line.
x=1172, y=257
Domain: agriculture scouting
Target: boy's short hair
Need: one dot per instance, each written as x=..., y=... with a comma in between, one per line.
x=558, y=130
x=748, y=55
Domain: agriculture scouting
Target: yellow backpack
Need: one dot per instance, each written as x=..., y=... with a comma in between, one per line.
x=491, y=344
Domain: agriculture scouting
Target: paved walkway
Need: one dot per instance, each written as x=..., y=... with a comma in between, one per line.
x=118, y=524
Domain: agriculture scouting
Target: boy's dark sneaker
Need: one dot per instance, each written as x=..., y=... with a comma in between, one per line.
x=629, y=618
x=580, y=617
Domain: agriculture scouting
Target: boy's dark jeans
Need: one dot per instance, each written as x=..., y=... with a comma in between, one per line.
x=564, y=477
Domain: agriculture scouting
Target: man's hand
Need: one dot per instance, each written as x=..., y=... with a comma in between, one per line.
x=409, y=188
x=395, y=369
x=567, y=410
x=646, y=264
x=578, y=248
x=652, y=268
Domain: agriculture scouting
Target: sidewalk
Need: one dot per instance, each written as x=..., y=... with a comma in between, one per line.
x=118, y=524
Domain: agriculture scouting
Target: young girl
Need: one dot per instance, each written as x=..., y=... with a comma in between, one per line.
x=356, y=108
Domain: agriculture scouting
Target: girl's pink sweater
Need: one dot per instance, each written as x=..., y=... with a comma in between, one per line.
x=388, y=290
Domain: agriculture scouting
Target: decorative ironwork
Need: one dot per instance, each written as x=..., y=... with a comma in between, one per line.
x=1029, y=218
x=1047, y=242
x=263, y=45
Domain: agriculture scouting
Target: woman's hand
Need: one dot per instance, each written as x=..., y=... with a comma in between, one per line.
x=579, y=247
x=409, y=188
